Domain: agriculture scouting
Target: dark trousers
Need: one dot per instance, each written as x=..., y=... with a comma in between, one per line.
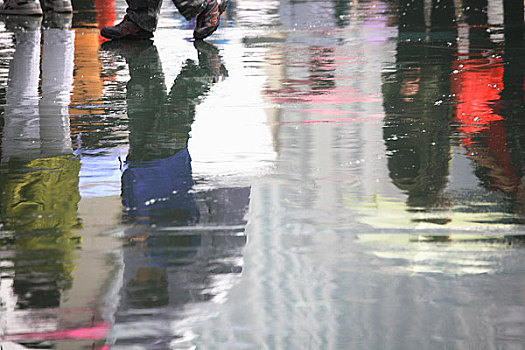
x=145, y=13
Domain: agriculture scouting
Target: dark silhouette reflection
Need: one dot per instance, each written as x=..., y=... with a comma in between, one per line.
x=38, y=173
x=184, y=245
x=488, y=89
x=416, y=130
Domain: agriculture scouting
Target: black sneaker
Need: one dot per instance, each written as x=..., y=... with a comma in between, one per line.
x=208, y=19
x=125, y=30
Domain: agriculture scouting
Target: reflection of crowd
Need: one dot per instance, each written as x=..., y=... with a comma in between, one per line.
x=430, y=79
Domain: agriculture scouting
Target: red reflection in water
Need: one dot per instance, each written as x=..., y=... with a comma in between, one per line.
x=105, y=14
x=477, y=87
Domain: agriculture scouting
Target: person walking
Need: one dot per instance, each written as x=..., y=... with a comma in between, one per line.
x=142, y=16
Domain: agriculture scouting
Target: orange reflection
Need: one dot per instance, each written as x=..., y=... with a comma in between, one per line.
x=88, y=85
x=410, y=84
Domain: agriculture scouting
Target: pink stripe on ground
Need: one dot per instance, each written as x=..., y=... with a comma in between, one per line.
x=96, y=332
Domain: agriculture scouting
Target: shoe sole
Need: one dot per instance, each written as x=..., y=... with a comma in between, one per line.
x=127, y=37
x=202, y=37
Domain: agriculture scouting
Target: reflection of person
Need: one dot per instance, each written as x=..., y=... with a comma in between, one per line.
x=39, y=182
x=157, y=178
x=141, y=19
x=416, y=129
x=173, y=257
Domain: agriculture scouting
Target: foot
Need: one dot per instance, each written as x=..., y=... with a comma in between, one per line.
x=208, y=20
x=125, y=30
x=21, y=7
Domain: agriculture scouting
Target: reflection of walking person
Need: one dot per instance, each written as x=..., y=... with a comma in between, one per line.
x=142, y=16
x=183, y=242
x=157, y=180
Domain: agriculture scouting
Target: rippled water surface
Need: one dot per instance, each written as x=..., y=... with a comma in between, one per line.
x=316, y=175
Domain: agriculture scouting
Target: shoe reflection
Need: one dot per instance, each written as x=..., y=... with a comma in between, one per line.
x=184, y=246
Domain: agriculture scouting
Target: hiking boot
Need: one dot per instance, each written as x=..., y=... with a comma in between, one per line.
x=21, y=7
x=62, y=6
x=208, y=19
x=125, y=30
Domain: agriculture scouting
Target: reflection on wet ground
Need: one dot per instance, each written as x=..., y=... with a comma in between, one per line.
x=318, y=174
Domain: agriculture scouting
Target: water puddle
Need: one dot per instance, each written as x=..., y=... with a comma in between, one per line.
x=317, y=174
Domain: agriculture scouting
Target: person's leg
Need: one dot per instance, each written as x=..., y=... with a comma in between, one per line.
x=145, y=13
x=190, y=8
x=60, y=6
x=21, y=7
x=139, y=23
x=34, y=7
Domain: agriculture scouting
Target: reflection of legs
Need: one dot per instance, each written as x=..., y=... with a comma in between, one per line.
x=160, y=126
x=194, y=81
x=57, y=80
x=21, y=129
x=157, y=178
x=152, y=133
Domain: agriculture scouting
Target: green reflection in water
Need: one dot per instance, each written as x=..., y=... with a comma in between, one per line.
x=39, y=217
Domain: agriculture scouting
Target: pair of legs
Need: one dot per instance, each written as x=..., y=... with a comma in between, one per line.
x=34, y=7
x=142, y=16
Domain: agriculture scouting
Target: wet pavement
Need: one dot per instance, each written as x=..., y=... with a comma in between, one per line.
x=316, y=175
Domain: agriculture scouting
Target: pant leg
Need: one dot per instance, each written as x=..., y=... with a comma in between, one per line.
x=145, y=13
x=190, y=8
